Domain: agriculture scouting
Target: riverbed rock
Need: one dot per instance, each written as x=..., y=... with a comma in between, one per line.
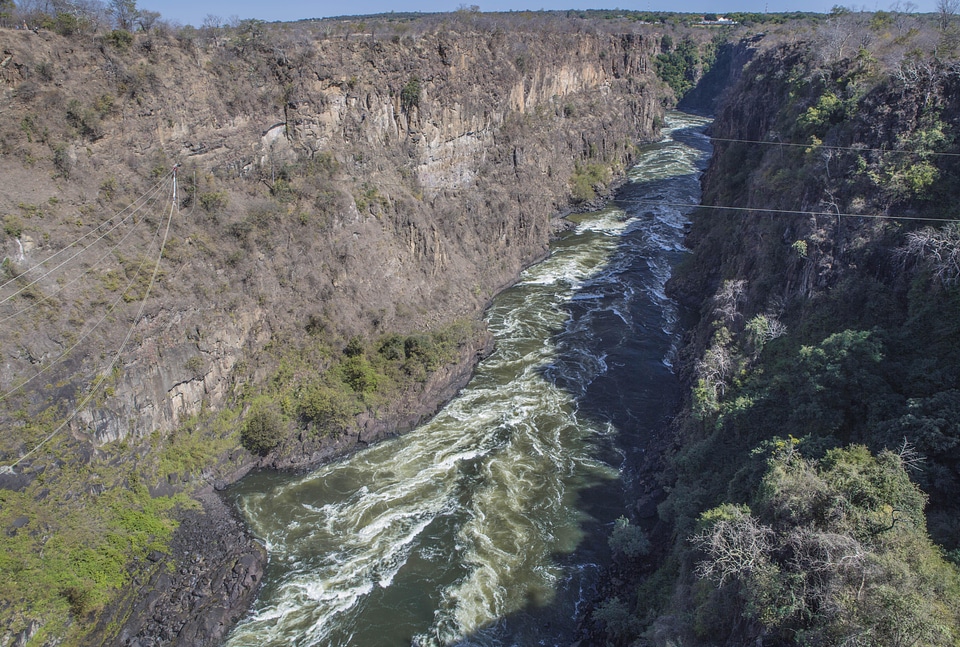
x=194, y=595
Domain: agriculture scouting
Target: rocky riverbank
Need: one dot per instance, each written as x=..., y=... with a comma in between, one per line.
x=195, y=594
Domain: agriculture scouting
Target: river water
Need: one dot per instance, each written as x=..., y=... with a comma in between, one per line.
x=488, y=524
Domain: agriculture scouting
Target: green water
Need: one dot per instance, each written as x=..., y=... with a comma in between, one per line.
x=487, y=525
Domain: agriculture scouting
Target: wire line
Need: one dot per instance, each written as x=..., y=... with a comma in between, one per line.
x=116, y=358
x=74, y=243
x=860, y=149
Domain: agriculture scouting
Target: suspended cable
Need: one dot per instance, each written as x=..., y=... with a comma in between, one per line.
x=98, y=382
x=858, y=149
x=61, y=288
x=73, y=244
x=795, y=212
x=84, y=336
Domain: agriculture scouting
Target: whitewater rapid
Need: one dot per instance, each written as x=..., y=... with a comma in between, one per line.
x=487, y=525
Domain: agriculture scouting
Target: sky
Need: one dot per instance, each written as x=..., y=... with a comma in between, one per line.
x=192, y=12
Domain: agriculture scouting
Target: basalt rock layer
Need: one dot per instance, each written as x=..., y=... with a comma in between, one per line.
x=326, y=187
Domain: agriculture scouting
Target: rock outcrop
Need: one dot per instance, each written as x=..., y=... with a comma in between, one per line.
x=330, y=187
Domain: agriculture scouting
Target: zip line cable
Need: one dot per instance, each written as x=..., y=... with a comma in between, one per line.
x=856, y=149
x=794, y=212
x=61, y=288
x=85, y=335
x=73, y=244
x=116, y=358
x=148, y=196
x=698, y=205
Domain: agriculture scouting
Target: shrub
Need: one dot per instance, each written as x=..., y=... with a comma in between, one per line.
x=359, y=375
x=85, y=120
x=213, y=201
x=62, y=161
x=263, y=431
x=421, y=349
x=392, y=347
x=12, y=226
x=120, y=38
x=410, y=94
x=327, y=407
x=586, y=178
x=616, y=618
x=628, y=540
x=355, y=347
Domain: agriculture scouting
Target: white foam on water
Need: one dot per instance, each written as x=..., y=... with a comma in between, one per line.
x=502, y=464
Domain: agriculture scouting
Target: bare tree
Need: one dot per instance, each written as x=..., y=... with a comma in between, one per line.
x=940, y=248
x=147, y=19
x=902, y=17
x=124, y=13
x=212, y=29
x=734, y=548
x=946, y=10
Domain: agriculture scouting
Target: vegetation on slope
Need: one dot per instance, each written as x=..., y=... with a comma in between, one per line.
x=812, y=498
x=314, y=289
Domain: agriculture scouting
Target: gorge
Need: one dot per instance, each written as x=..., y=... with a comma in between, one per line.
x=351, y=198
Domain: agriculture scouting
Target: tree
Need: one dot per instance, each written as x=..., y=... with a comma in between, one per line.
x=6, y=11
x=830, y=551
x=263, y=431
x=946, y=10
x=147, y=19
x=124, y=13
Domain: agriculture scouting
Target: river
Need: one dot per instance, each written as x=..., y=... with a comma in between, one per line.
x=488, y=524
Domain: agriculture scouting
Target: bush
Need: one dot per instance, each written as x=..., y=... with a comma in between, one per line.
x=120, y=38
x=392, y=348
x=410, y=94
x=263, y=431
x=628, y=540
x=586, y=178
x=357, y=373
x=327, y=407
x=616, y=618
x=62, y=161
x=213, y=201
x=355, y=347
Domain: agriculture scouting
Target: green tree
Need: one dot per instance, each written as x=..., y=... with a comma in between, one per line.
x=828, y=550
x=679, y=68
x=410, y=94
x=263, y=431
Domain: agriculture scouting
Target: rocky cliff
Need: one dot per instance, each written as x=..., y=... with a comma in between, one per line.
x=341, y=201
x=820, y=434
x=434, y=156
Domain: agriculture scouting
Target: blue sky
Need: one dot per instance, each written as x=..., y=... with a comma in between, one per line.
x=193, y=11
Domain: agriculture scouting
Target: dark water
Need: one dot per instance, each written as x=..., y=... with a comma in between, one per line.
x=488, y=525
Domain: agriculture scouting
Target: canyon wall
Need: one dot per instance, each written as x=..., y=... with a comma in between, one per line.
x=435, y=168
x=334, y=195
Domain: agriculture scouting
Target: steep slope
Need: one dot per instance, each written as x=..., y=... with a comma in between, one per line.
x=816, y=470
x=346, y=206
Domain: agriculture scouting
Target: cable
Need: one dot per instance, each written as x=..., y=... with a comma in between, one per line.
x=74, y=243
x=795, y=212
x=102, y=377
x=63, y=287
x=837, y=148
x=82, y=337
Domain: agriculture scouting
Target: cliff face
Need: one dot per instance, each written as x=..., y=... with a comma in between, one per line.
x=437, y=165
x=329, y=189
x=824, y=340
